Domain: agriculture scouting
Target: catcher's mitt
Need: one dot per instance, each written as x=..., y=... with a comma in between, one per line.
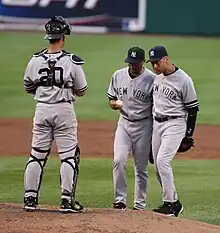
x=186, y=144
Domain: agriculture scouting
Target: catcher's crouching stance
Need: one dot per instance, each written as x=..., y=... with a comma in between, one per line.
x=55, y=78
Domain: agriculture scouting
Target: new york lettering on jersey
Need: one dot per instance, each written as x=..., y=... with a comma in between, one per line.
x=120, y=91
x=173, y=94
x=167, y=91
x=135, y=93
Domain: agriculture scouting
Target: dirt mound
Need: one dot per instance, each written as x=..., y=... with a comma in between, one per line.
x=13, y=219
x=96, y=139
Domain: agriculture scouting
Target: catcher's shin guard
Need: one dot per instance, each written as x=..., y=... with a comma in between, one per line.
x=69, y=171
x=34, y=172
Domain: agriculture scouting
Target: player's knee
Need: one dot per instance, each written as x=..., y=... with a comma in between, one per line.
x=118, y=162
x=39, y=153
x=140, y=166
x=71, y=157
x=38, y=156
x=162, y=164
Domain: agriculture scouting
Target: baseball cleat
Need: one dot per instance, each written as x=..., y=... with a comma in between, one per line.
x=68, y=206
x=30, y=203
x=178, y=208
x=166, y=208
x=119, y=205
x=135, y=208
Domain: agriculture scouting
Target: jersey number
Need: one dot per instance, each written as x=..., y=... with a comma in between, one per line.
x=49, y=79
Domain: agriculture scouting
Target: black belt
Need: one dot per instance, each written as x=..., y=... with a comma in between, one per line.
x=62, y=101
x=163, y=119
x=135, y=120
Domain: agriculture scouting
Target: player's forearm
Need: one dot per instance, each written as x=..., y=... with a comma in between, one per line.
x=191, y=122
x=30, y=87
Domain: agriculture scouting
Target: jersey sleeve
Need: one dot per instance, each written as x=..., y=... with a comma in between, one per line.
x=29, y=85
x=80, y=83
x=112, y=95
x=189, y=94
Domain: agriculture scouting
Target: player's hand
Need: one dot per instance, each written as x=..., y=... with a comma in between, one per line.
x=116, y=104
x=186, y=144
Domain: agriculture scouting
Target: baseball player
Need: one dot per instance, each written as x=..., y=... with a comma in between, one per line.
x=130, y=92
x=175, y=107
x=55, y=77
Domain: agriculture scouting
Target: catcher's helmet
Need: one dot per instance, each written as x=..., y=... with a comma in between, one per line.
x=56, y=27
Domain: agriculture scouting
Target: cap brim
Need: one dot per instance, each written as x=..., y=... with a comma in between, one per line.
x=153, y=59
x=132, y=61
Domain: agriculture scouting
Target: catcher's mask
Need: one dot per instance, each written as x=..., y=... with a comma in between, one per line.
x=56, y=27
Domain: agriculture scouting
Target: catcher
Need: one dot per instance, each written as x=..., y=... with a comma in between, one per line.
x=55, y=78
x=175, y=113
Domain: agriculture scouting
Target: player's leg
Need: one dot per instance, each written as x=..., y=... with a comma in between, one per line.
x=156, y=141
x=41, y=144
x=173, y=133
x=122, y=148
x=65, y=135
x=141, y=143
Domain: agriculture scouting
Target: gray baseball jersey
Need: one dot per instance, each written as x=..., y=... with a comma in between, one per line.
x=68, y=74
x=172, y=95
x=135, y=93
x=53, y=79
x=133, y=133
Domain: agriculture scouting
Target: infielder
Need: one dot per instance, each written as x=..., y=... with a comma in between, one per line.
x=175, y=107
x=55, y=77
x=130, y=92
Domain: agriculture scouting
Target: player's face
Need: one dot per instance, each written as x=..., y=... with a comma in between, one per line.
x=136, y=68
x=160, y=66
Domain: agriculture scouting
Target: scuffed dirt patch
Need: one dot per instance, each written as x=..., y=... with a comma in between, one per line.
x=13, y=219
x=96, y=139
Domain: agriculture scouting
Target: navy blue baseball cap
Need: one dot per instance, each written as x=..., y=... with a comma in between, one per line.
x=135, y=55
x=156, y=53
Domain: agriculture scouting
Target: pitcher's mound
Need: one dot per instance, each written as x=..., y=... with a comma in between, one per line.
x=14, y=219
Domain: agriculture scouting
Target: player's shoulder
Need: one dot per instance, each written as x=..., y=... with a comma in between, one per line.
x=120, y=72
x=37, y=56
x=39, y=53
x=184, y=76
x=74, y=58
x=149, y=74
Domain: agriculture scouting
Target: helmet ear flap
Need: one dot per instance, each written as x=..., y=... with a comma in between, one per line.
x=68, y=29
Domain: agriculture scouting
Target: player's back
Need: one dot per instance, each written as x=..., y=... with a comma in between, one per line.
x=55, y=76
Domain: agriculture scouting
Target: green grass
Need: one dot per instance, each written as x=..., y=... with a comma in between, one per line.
x=103, y=55
x=197, y=184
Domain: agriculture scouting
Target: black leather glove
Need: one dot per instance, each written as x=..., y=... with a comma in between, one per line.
x=186, y=144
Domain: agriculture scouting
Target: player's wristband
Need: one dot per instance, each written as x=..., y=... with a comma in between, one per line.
x=191, y=123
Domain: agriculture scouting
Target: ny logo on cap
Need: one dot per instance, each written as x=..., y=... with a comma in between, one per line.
x=152, y=53
x=133, y=54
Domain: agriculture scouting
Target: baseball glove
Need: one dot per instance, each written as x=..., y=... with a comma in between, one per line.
x=186, y=144
x=151, y=158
